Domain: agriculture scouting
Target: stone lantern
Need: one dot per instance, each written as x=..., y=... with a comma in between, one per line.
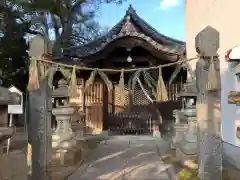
x=64, y=139
x=63, y=111
x=188, y=144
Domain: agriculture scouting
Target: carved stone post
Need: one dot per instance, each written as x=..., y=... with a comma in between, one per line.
x=40, y=117
x=209, y=142
x=40, y=112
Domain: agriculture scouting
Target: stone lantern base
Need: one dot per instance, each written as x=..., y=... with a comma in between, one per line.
x=180, y=129
x=67, y=151
x=66, y=148
x=187, y=148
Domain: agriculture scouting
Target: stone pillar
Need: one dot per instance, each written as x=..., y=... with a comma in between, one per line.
x=40, y=131
x=209, y=144
x=40, y=111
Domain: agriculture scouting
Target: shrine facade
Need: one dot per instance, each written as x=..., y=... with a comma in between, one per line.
x=131, y=43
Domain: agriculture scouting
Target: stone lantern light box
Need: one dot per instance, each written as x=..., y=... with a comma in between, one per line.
x=188, y=94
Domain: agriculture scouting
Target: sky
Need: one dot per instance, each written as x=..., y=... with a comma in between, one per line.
x=167, y=16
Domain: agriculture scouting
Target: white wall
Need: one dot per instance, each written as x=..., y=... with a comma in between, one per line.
x=225, y=17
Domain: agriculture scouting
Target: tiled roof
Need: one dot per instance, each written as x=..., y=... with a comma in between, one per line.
x=145, y=31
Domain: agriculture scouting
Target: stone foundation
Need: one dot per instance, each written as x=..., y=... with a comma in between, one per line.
x=74, y=154
x=184, y=158
x=67, y=157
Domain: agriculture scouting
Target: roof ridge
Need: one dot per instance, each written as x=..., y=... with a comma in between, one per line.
x=156, y=31
x=137, y=20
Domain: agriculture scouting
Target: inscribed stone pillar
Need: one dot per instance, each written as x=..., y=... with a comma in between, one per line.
x=209, y=142
x=40, y=117
x=40, y=111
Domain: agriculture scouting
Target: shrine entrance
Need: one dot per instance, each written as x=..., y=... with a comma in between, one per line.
x=131, y=45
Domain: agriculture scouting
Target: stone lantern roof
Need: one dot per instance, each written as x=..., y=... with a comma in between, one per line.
x=62, y=90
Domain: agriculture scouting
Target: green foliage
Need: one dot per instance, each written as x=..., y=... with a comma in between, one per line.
x=21, y=18
x=13, y=52
x=70, y=16
x=185, y=174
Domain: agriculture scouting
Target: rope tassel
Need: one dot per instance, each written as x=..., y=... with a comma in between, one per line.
x=161, y=88
x=121, y=87
x=91, y=79
x=213, y=83
x=73, y=84
x=106, y=80
x=33, y=82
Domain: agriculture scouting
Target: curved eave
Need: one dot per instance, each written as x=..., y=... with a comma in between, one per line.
x=148, y=32
x=170, y=50
x=154, y=33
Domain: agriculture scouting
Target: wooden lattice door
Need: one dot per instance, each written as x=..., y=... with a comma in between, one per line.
x=137, y=113
x=133, y=114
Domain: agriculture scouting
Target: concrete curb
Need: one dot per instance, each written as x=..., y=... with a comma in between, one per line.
x=170, y=171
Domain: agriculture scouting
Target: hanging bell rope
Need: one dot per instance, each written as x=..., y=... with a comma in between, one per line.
x=213, y=83
x=175, y=73
x=121, y=87
x=151, y=83
x=144, y=91
x=161, y=88
x=33, y=82
x=72, y=90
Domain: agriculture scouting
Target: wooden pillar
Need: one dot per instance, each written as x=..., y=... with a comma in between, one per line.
x=209, y=141
x=105, y=107
x=40, y=104
x=84, y=102
x=113, y=99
